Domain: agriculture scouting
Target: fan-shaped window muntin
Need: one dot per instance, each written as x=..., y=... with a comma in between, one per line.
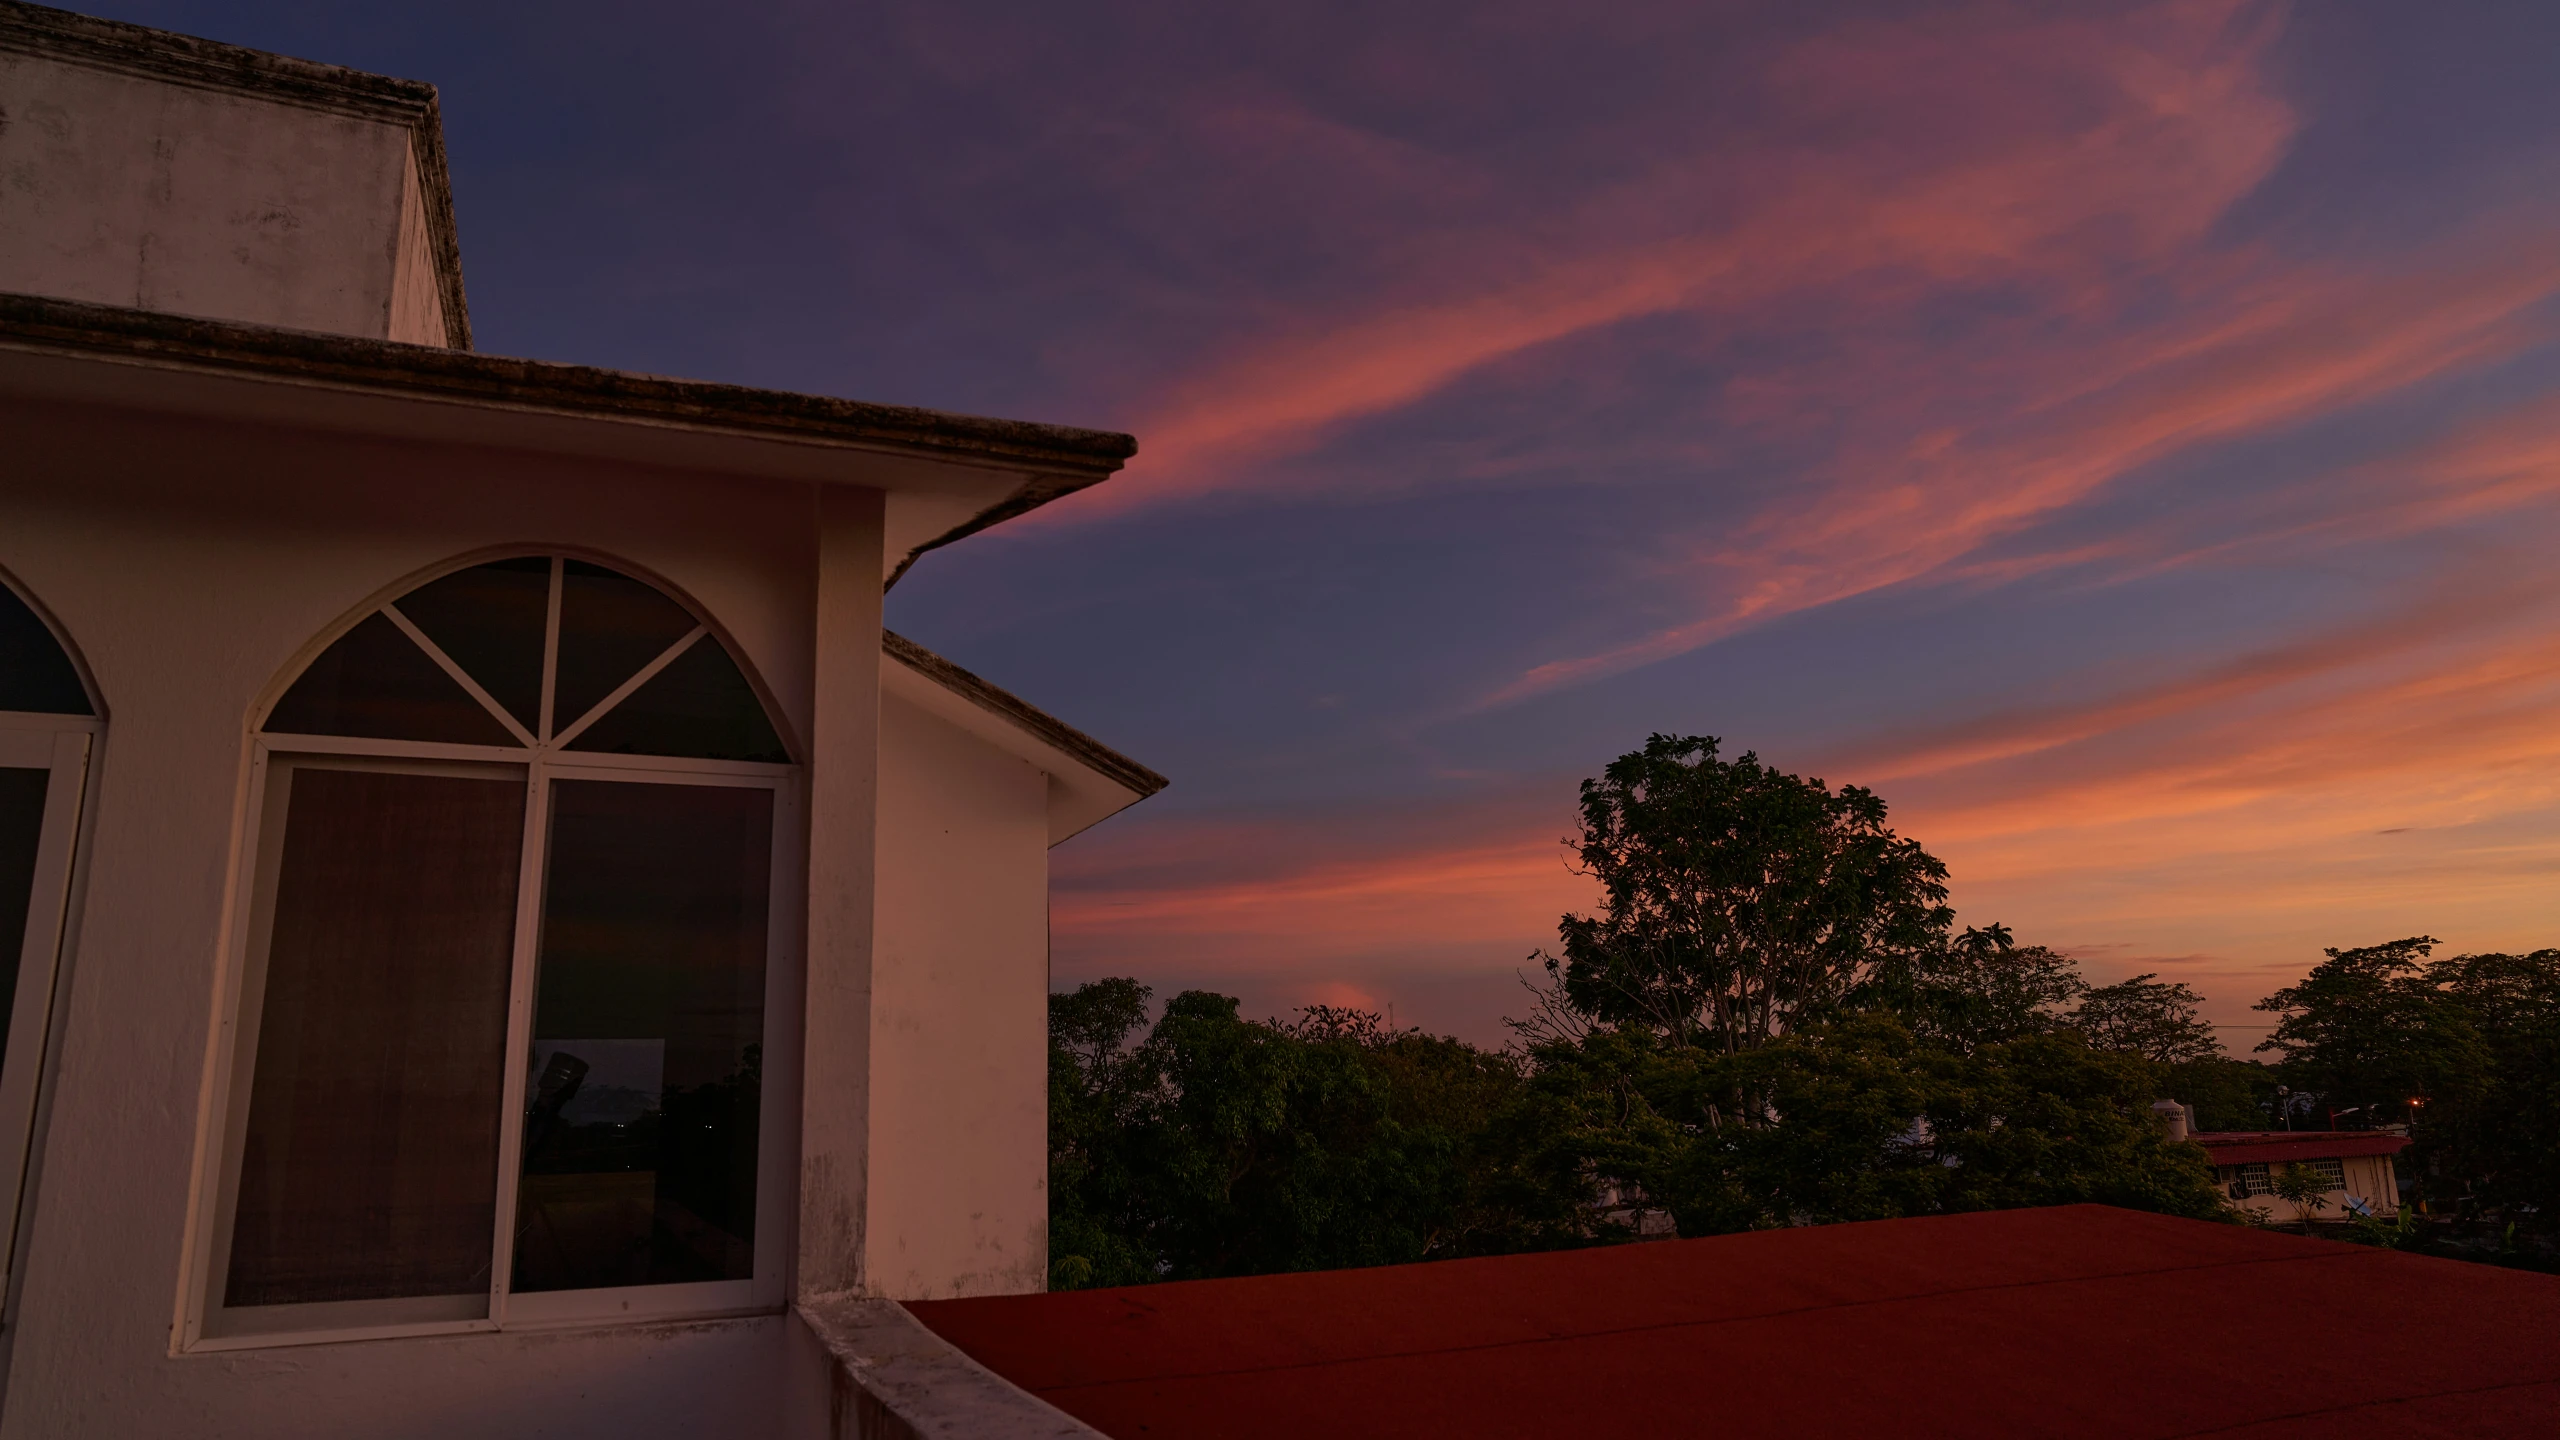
x=540, y=653
x=511, y=974
x=49, y=724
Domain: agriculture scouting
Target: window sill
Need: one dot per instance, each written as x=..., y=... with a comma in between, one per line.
x=547, y=1326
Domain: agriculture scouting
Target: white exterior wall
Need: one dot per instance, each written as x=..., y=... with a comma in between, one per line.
x=191, y=563
x=960, y=974
x=2374, y=1179
x=122, y=190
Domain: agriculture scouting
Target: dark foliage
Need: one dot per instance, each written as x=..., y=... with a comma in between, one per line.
x=1981, y=989
x=2465, y=1050
x=2150, y=1017
x=2372, y=1029
x=1215, y=1145
x=1741, y=902
x=1865, y=1121
x=2501, y=1134
x=1771, y=1021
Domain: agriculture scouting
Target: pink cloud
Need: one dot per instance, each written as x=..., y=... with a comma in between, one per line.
x=1889, y=513
x=2089, y=143
x=2218, y=818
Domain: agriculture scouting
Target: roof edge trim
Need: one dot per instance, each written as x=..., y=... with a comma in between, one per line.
x=1110, y=763
x=1075, y=458
x=211, y=64
x=426, y=151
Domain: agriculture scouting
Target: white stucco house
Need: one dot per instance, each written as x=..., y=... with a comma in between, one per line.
x=500, y=941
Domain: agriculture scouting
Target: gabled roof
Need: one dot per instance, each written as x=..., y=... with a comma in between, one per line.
x=2080, y=1321
x=212, y=65
x=1088, y=780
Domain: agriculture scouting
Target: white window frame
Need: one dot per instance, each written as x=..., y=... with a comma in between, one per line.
x=205, y=1324
x=62, y=745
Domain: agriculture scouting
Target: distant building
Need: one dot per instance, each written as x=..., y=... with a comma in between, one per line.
x=2358, y=1164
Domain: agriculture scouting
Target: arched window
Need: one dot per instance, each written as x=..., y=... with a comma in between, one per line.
x=47, y=723
x=504, y=1002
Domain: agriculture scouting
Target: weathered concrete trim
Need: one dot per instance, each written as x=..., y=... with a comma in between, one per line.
x=890, y=1378
x=43, y=324
x=1118, y=768
x=426, y=144
x=212, y=65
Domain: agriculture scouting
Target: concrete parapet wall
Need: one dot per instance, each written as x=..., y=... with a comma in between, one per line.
x=890, y=1378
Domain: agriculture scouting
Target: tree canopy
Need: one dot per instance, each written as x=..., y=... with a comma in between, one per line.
x=2147, y=1016
x=1770, y=1020
x=2372, y=1029
x=2465, y=1050
x=1740, y=901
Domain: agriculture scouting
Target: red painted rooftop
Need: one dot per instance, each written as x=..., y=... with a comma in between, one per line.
x=2244, y=1147
x=2080, y=1321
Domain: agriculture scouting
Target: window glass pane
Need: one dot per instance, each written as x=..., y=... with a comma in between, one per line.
x=641, y=1107
x=370, y=1169
x=376, y=682
x=490, y=619
x=700, y=705
x=610, y=626
x=34, y=673
x=21, y=826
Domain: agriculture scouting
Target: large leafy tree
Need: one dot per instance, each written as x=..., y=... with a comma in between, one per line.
x=2504, y=1131
x=1739, y=902
x=2467, y=1049
x=2371, y=1030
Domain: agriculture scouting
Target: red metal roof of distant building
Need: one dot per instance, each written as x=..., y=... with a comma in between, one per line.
x=2247, y=1147
x=2080, y=1321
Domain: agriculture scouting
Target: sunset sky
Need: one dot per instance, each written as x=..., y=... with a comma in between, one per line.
x=2125, y=436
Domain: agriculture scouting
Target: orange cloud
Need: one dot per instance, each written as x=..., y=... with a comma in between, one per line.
x=2392, y=774
x=2395, y=776
x=1486, y=891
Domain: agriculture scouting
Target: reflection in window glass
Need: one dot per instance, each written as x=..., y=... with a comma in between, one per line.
x=370, y=1164
x=610, y=626
x=34, y=673
x=644, y=1086
x=376, y=682
x=21, y=827
x=491, y=619
x=700, y=705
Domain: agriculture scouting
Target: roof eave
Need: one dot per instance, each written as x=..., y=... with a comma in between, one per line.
x=1089, y=781
x=961, y=473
